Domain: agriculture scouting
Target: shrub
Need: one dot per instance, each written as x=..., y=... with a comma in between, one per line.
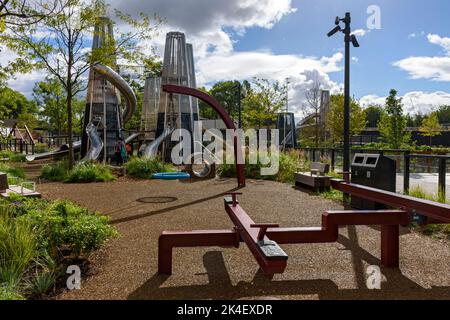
x=12, y=156
x=289, y=163
x=144, y=168
x=41, y=147
x=55, y=172
x=12, y=171
x=18, y=248
x=90, y=172
x=8, y=293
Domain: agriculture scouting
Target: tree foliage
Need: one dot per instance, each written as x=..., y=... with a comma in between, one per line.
x=392, y=125
x=262, y=103
x=14, y=105
x=373, y=115
x=335, y=118
x=430, y=126
x=60, y=44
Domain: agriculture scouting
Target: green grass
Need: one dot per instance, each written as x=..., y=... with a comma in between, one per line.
x=145, y=168
x=37, y=237
x=440, y=231
x=81, y=173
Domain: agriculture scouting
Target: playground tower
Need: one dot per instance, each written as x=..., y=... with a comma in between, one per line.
x=103, y=100
x=178, y=68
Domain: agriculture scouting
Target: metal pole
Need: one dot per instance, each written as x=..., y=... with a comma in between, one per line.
x=406, y=171
x=239, y=106
x=442, y=176
x=347, y=30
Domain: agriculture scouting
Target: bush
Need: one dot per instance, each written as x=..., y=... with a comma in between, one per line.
x=36, y=236
x=289, y=163
x=145, y=168
x=90, y=172
x=41, y=147
x=55, y=172
x=12, y=156
x=12, y=171
x=18, y=248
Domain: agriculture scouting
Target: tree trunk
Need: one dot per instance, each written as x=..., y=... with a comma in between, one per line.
x=69, y=125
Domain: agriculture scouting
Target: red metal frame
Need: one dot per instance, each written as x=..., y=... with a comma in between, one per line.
x=247, y=231
x=169, y=88
x=434, y=211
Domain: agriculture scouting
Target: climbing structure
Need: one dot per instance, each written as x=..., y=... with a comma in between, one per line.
x=178, y=69
x=103, y=102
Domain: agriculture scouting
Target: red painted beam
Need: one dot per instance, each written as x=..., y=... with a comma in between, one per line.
x=251, y=236
x=223, y=115
x=434, y=210
x=200, y=238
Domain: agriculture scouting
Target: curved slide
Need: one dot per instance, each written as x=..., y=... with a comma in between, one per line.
x=151, y=150
x=96, y=144
x=116, y=80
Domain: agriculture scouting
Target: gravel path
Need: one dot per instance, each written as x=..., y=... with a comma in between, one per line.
x=127, y=267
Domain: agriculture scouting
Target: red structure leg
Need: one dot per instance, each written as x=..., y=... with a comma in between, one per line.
x=201, y=238
x=390, y=246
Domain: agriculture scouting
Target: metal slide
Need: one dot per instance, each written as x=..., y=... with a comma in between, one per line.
x=116, y=80
x=151, y=150
x=96, y=143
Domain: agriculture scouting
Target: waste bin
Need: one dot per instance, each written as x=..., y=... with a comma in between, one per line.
x=376, y=171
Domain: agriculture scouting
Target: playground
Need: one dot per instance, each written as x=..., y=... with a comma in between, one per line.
x=159, y=183
x=127, y=268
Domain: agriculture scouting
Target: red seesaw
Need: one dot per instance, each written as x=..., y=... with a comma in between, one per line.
x=263, y=240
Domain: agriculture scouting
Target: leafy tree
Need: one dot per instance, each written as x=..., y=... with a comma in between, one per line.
x=336, y=118
x=14, y=105
x=50, y=98
x=373, y=115
x=443, y=114
x=60, y=44
x=262, y=103
x=392, y=125
x=135, y=121
x=430, y=126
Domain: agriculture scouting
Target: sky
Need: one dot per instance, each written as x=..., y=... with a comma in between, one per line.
x=276, y=39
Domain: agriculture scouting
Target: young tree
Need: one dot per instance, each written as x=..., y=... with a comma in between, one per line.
x=50, y=98
x=430, y=127
x=14, y=105
x=313, y=99
x=336, y=118
x=60, y=44
x=392, y=125
x=443, y=114
x=262, y=103
x=374, y=114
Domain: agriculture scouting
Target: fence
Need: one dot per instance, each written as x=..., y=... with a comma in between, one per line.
x=411, y=162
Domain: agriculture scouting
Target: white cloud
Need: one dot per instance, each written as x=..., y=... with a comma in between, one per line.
x=435, y=68
x=360, y=32
x=414, y=102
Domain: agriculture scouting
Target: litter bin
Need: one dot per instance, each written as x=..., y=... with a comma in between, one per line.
x=376, y=171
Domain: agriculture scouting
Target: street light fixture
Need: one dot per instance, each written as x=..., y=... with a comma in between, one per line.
x=348, y=38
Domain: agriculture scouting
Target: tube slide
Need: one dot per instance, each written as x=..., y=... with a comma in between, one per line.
x=117, y=81
x=151, y=150
x=96, y=144
x=64, y=149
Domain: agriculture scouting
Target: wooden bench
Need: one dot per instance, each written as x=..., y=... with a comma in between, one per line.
x=6, y=189
x=316, y=179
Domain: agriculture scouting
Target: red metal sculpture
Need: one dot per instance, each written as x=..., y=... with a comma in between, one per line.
x=169, y=88
x=263, y=240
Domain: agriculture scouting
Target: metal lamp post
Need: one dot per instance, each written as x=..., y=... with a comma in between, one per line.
x=348, y=38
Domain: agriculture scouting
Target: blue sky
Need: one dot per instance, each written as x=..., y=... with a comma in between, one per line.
x=304, y=32
x=275, y=39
